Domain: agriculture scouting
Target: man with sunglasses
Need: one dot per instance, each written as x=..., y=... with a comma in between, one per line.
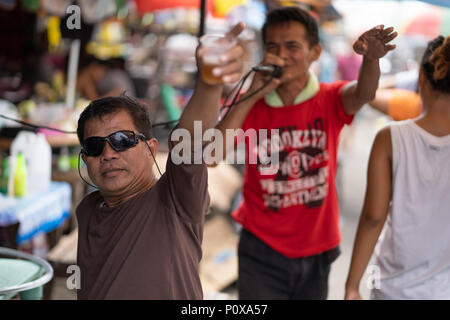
x=139, y=236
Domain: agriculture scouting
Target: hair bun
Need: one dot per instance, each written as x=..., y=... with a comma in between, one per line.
x=441, y=60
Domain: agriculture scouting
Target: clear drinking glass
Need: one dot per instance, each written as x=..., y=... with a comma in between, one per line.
x=214, y=46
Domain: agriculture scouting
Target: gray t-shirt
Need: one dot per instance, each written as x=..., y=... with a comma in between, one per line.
x=148, y=247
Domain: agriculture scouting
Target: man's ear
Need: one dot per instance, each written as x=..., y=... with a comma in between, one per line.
x=315, y=52
x=153, y=145
x=83, y=156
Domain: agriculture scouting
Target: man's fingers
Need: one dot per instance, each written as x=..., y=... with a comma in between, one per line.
x=270, y=59
x=236, y=30
x=273, y=84
x=231, y=78
x=234, y=67
x=375, y=30
x=235, y=53
x=390, y=37
x=390, y=47
x=387, y=31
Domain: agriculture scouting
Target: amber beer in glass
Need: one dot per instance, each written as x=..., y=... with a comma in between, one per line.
x=214, y=46
x=207, y=74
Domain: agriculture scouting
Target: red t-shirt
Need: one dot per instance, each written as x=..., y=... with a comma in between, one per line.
x=294, y=209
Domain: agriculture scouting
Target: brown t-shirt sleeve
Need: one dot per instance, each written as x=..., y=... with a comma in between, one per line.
x=188, y=188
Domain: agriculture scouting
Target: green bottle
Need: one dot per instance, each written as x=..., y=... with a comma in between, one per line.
x=63, y=162
x=20, y=176
x=5, y=177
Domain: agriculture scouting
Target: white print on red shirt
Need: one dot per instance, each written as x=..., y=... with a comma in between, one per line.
x=301, y=175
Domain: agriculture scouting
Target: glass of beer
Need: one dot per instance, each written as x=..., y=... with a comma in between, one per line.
x=214, y=46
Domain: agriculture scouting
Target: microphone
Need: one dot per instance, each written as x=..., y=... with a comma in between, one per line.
x=271, y=69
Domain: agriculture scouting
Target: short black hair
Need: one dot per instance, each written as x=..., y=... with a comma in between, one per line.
x=437, y=56
x=109, y=105
x=286, y=14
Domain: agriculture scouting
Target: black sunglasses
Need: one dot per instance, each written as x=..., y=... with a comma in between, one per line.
x=119, y=141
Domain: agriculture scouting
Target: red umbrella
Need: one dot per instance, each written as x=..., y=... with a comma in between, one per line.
x=145, y=6
x=430, y=24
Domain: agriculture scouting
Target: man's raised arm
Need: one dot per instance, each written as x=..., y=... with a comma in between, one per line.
x=372, y=45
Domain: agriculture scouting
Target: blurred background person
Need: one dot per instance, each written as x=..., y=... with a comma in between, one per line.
x=104, y=78
x=103, y=72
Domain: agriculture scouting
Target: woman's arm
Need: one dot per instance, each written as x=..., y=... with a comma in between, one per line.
x=375, y=210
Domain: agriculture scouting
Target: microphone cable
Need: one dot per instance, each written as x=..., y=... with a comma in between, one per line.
x=241, y=84
x=79, y=172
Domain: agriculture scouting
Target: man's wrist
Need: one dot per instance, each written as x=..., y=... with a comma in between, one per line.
x=370, y=59
x=201, y=84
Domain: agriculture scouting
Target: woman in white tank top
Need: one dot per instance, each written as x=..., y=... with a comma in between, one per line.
x=407, y=203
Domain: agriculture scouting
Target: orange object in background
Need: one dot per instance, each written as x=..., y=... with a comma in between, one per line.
x=404, y=104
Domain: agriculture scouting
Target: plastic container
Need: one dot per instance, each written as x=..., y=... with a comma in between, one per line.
x=38, y=159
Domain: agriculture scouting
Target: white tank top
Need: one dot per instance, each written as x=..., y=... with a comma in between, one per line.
x=413, y=252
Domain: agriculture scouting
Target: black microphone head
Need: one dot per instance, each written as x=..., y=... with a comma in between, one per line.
x=277, y=71
x=274, y=70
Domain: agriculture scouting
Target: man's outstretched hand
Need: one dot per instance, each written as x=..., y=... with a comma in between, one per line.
x=374, y=43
